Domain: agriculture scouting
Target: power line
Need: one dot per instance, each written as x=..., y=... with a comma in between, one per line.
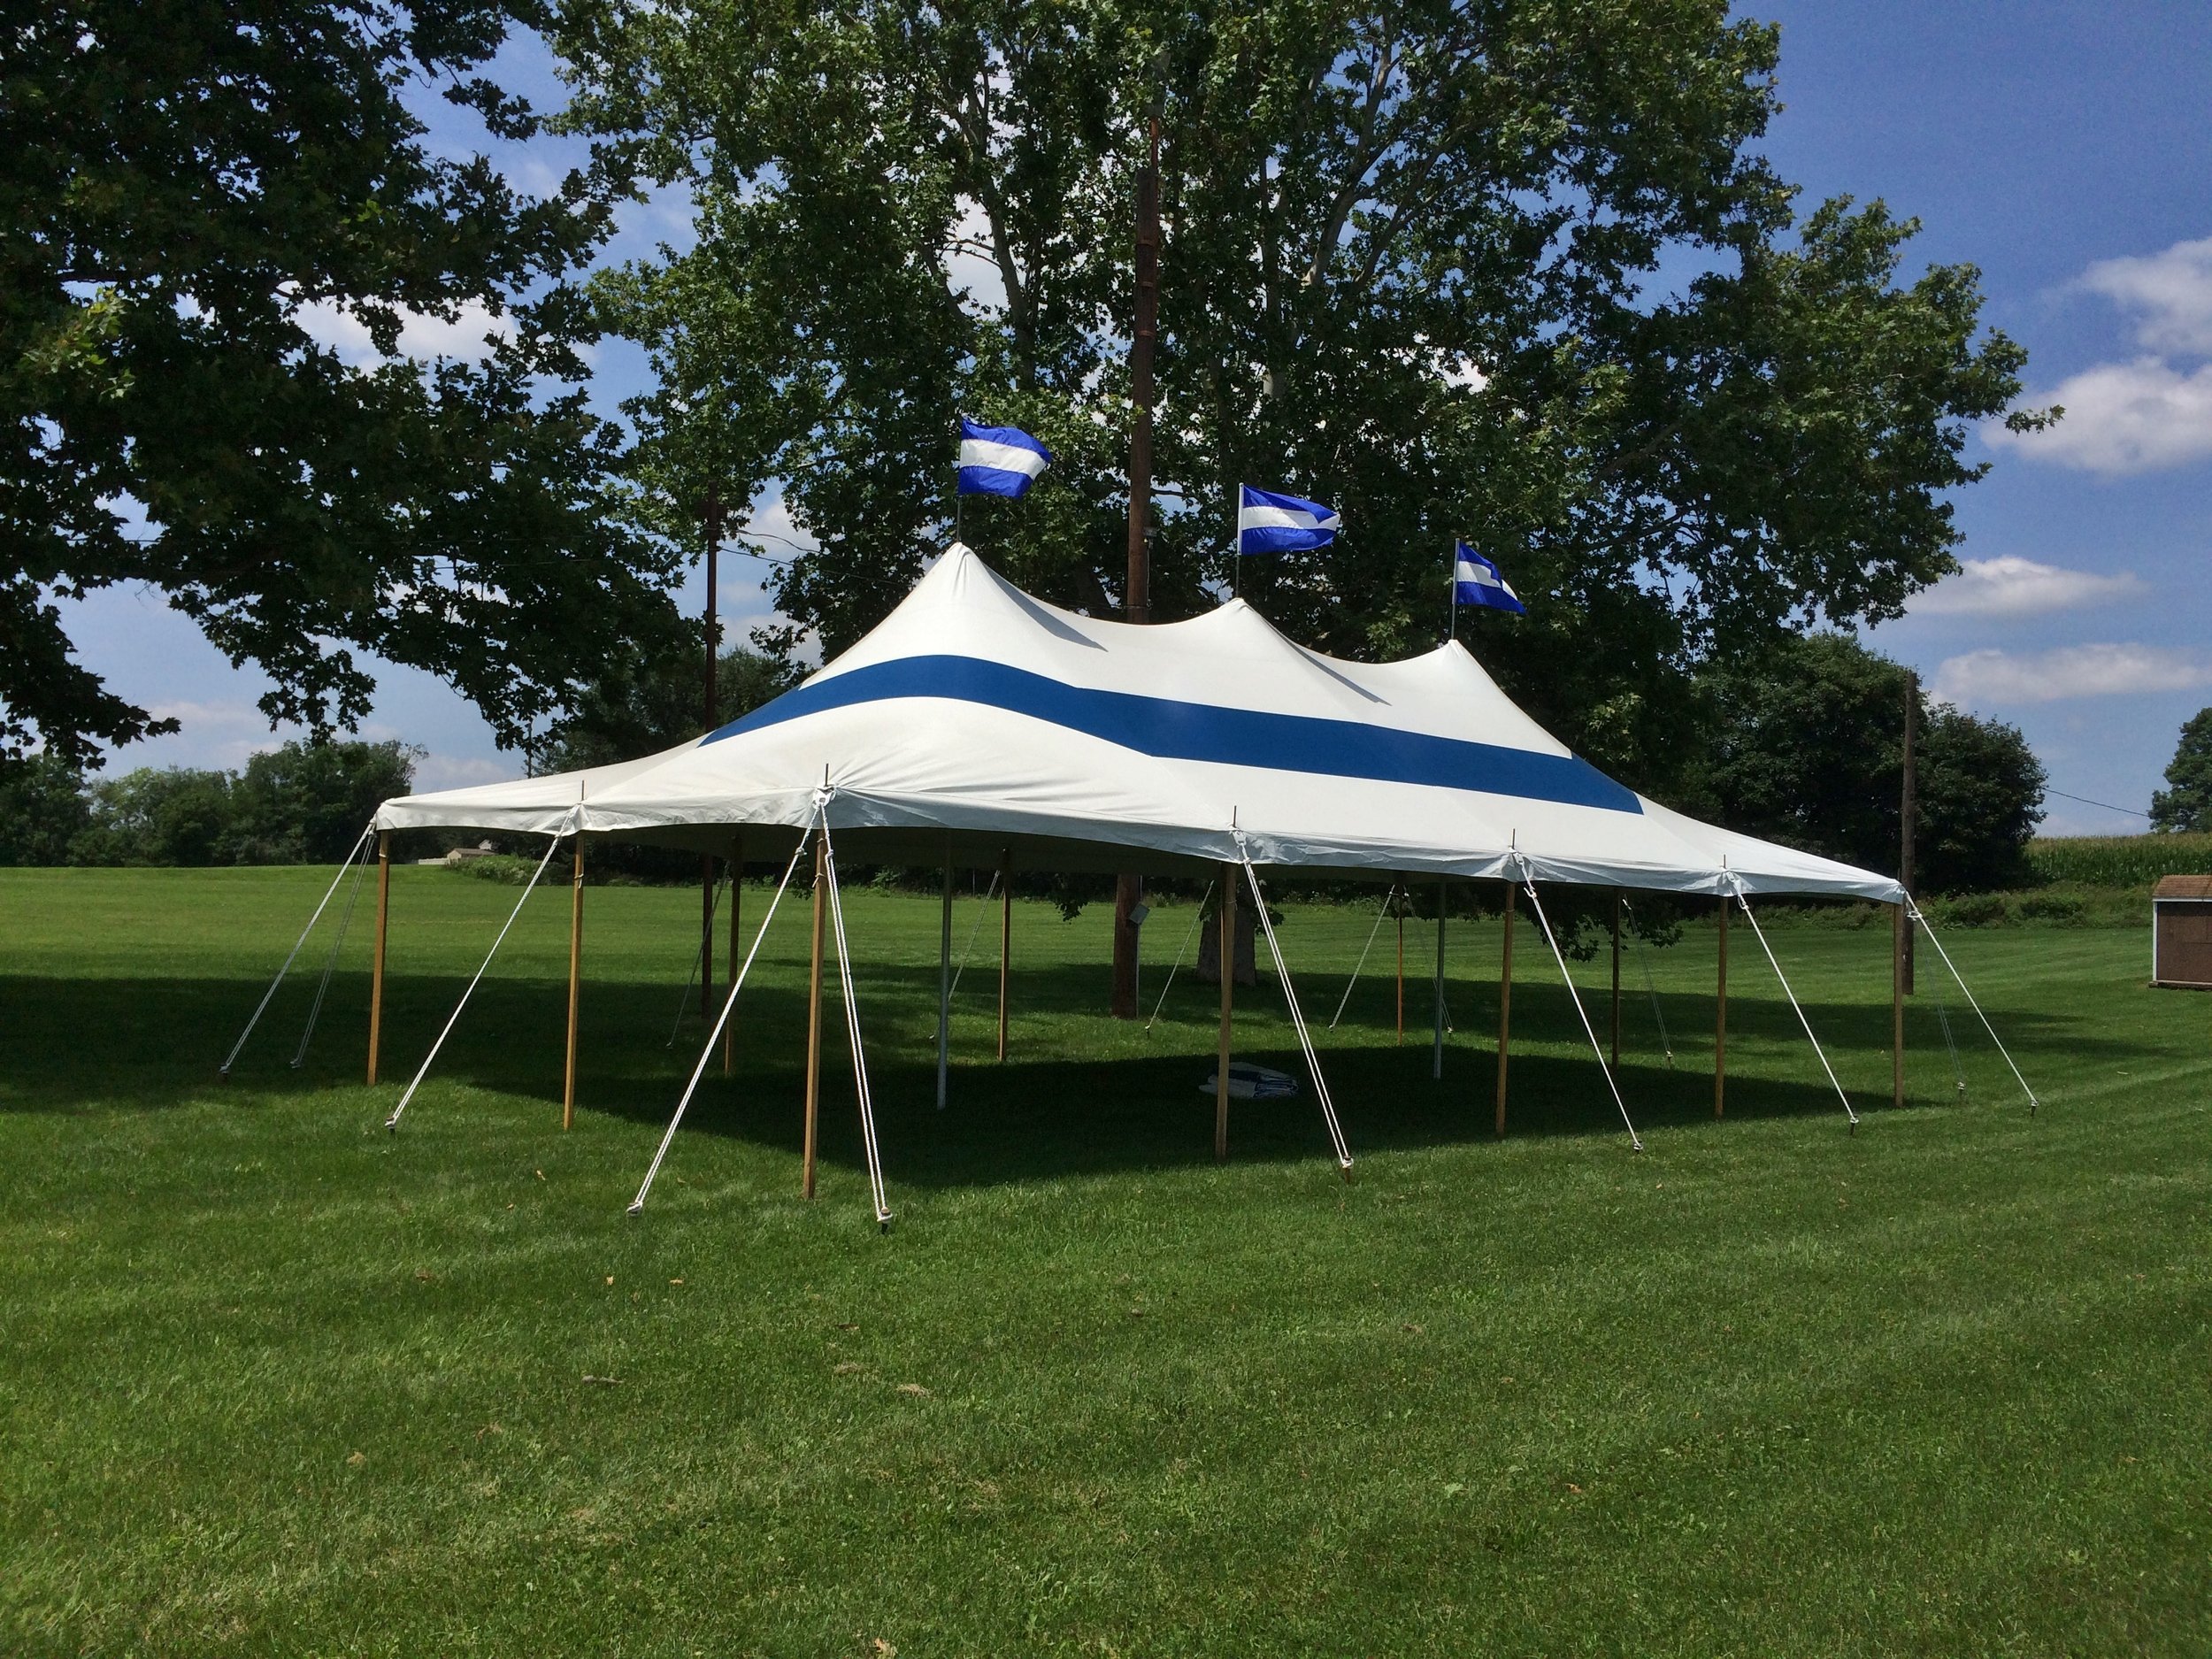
x=2107, y=805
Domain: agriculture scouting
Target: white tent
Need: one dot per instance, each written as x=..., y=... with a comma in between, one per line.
x=978, y=719
x=978, y=725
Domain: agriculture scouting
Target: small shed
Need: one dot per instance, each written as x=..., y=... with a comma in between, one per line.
x=2181, y=933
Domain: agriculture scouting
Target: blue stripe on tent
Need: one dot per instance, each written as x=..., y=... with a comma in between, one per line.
x=1172, y=730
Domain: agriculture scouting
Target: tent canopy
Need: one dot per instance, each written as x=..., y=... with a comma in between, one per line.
x=977, y=722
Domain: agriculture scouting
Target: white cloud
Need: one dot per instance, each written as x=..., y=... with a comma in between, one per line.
x=2121, y=418
x=421, y=336
x=2070, y=670
x=2012, y=587
x=2170, y=294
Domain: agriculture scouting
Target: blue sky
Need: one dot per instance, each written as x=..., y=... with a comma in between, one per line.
x=2066, y=149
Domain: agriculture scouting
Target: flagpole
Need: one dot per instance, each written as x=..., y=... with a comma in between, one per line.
x=1451, y=580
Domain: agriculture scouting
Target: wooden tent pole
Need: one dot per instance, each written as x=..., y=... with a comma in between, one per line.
x=737, y=883
x=575, y=981
x=1720, y=1019
x=376, y=971
x=1436, y=1050
x=1616, y=984
x=814, y=1011
x=1897, y=931
x=1401, y=976
x=944, y=981
x=1005, y=940
x=1228, y=925
x=1505, y=1003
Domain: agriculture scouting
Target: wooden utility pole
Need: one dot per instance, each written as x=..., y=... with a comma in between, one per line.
x=1137, y=596
x=712, y=513
x=1908, y=819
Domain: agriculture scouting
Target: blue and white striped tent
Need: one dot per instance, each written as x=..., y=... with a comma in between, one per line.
x=977, y=721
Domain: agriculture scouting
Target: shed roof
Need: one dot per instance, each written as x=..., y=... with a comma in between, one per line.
x=2183, y=888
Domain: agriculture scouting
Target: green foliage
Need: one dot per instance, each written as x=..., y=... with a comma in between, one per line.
x=279, y=1383
x=196, y=197
x=1408, y=267
x=300, y=803
x=2133, y=862
x=43, y=809
x=650, y=696
x=2185, y=803
x=1805, y=747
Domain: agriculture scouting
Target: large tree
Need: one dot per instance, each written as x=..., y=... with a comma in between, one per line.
x=1514, y=271
x=1805, y=745
x=197, y=199
x=2185, y=803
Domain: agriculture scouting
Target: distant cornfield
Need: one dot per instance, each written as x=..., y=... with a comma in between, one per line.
x=2119, y=861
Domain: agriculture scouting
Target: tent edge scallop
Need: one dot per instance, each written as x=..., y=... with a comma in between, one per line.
x=1201, y=692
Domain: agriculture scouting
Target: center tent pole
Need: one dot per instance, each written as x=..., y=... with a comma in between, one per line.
x=1505, y=1003
x=814, y=1014
x=944, y=981
x=1005, y=941
x=1436, y=1052
x=376, y=971
x=737, y=885
x=1228, y=1002
x=575, y=981
x=1720, y=1020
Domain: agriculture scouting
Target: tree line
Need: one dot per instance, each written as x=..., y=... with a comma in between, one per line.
x=1520, y=273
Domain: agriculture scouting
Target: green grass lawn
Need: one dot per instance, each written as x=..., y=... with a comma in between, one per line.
x=271, y=1380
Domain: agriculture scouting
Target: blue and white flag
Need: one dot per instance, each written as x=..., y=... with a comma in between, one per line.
x=1475, y=581
x=999, y=460
x=1270, y=523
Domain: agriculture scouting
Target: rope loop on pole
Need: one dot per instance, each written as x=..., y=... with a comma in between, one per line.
x=571, y=826
x=268, y=995
x=1735, y=885
x=1528, y=882
x=637, y=1204
x=1297, y=1015
x=1915, y=910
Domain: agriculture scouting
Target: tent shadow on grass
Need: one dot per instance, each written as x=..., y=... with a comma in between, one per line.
x=1050, y=1112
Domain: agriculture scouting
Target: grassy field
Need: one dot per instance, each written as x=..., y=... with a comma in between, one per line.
x=271, y=1380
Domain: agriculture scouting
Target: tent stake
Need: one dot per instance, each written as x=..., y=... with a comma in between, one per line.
x=1005, y=942
x=1505, y=1003
x=737, y=882
x=1720, y=1019
x=944, y=981
x=376, y=971
x=575, y=981
x=1436, y=1050
x=1897, y=1006
x=814, y=1011
x=1228, y=1000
